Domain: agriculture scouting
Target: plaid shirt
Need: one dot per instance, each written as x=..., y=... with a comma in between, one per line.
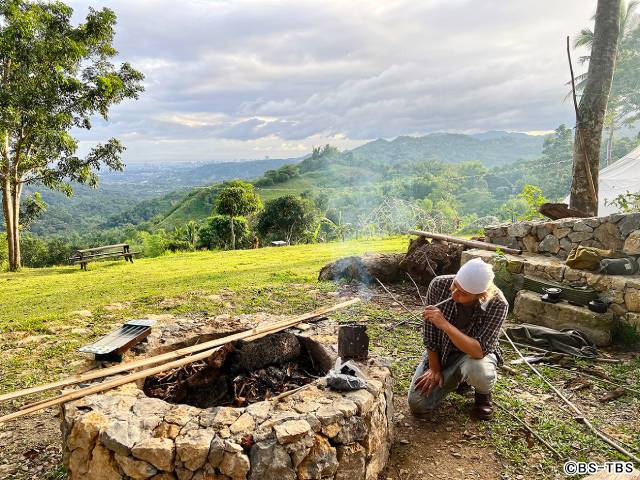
x=487, y=318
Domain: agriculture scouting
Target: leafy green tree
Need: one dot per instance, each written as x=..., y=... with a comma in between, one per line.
x=237, y=199
x=287, y=217
x=54, y=77
x=191, y=232
x=624, y=106
x=215, y=232
x=533, y=198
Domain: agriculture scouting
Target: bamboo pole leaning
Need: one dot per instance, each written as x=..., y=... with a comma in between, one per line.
x=145, y=362
x=467, y=243
x=101, y=387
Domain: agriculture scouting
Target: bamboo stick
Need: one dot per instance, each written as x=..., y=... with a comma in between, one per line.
x=108, y=385
x=468, y=243
x=144, y=362
x=580, y=418
x=83, y=392
x=530, y=429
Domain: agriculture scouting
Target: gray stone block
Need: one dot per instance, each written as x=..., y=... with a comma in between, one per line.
x=529, y=308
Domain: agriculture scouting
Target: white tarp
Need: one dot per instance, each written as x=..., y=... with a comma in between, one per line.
x=620, y=177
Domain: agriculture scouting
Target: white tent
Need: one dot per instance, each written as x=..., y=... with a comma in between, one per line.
x=620, y=177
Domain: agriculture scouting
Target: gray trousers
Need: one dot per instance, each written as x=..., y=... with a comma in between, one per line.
x=479, y=373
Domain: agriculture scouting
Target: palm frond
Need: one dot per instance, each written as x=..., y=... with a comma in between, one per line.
x=584, y=38
x=584, y=59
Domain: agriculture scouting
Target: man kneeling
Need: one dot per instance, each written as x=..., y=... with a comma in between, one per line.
x=461, y=339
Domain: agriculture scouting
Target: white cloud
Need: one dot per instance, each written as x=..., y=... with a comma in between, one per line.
x=236, y=79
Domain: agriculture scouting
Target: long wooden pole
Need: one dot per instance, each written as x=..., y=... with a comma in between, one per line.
x=144, y=362
x=469, y=243
x=101, y=387
x=108, y=385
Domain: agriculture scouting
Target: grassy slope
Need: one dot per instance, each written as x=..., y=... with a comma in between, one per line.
x=199, y=203
x=46, y=303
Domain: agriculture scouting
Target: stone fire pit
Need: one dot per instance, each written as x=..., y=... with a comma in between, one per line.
x=311, y=432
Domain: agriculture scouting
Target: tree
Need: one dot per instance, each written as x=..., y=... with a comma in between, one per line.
x=593, y=106
x=533, y=198
x=54, y=77
x=286, y=217
x=237, y=199
x=215, y=232
x=191, y=232
x=621, y=109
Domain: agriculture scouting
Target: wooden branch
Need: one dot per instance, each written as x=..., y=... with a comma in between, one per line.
x=253, y=334
x=580, y=418
x=530, y=429
x=144, y=362
x=398, y=301
x=416, y=285
x=592, y=188
x=468, y=243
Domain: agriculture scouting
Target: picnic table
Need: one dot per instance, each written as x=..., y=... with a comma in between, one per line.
x=119, y=250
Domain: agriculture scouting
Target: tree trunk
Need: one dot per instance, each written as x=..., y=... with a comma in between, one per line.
x=7, y=208
x=16, y=229
x=593, y=106
x=233, y=235
x=610, y=143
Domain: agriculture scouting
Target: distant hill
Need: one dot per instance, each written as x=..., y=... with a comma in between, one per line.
x=164, y=194
x=366, y=171
x=490, y=148
x=138, y=194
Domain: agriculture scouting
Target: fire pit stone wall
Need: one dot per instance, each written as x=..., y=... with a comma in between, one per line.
x=311, y=433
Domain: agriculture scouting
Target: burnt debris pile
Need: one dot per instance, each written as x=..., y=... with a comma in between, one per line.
x=240, y=374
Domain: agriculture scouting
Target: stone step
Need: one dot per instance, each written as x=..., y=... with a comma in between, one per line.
x=597, y=327
x=622, y=290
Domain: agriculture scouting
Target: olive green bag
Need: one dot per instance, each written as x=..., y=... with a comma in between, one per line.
x=587, y=258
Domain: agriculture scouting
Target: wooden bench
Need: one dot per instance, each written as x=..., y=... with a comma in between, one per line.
x=120, y=250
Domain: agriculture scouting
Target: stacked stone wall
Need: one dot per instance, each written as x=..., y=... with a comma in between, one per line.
x=619, y=232
x=315, y=433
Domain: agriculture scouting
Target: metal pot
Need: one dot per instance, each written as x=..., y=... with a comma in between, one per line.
x=553, y=293
x=598, y=306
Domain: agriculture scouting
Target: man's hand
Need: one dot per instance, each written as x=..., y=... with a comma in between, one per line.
x=428, y=381
x=434, y=315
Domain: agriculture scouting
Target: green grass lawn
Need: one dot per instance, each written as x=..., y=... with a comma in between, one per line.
x=46, y=314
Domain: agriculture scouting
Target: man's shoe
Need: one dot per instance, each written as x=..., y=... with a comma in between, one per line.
x=462, y=388
x=483, y=408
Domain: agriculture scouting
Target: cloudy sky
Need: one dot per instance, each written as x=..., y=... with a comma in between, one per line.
x=229, y=80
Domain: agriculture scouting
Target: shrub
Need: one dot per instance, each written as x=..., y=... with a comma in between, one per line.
x=176, y=245
x=38, y=252
x=150, y=244
x=216, y=232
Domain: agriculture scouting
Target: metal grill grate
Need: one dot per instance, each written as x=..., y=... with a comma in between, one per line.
x=120, y=340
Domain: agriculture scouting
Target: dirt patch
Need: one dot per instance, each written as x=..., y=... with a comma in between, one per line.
x=25, y=455
x=446, y=445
